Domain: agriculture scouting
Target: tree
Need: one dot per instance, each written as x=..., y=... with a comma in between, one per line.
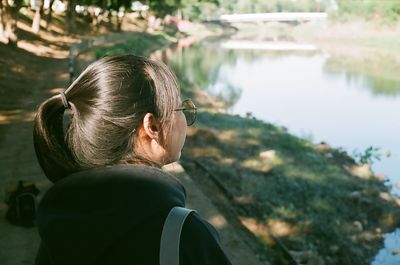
x=9, y=18
x=162, y=8
x=70, y=15
x=2, y=19
x=37, y=5
x=198, y=10
x=49, y=14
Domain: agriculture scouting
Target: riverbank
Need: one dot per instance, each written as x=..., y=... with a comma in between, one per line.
x=309, y=201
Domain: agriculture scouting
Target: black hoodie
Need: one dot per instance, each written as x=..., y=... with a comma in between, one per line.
x=114, y=215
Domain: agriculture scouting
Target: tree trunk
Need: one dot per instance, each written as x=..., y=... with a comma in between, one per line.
x=11, y=22
x=2, y=21
x=70, y=16
x=36, y=21
x=50, y=14
x=94, y=15
x=119, y=21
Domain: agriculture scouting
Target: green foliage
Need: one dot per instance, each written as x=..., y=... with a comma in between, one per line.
x=368, y=156
x=388, y=10
x=162, y=8
x=198, y=10
x=188, y=9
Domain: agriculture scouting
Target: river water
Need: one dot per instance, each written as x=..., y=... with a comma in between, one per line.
x=348, y=102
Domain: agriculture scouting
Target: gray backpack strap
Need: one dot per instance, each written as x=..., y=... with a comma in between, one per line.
x=170, y=236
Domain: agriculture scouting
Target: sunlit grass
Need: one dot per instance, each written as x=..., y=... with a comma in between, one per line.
x=140, y=44
x=392, y=43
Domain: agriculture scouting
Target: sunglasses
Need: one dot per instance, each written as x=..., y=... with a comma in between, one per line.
x=189, y=110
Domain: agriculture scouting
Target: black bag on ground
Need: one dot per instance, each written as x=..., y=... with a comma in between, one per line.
x=22, y=203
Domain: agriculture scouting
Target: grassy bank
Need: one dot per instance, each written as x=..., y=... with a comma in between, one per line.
x=141, y=43
x=387, y=11
x=314, y=200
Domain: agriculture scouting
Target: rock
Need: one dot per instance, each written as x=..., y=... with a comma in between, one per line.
x=366, y=236
x=301, y=256
x=323, y=147
x=362, y=171
x=357, y=225
x=387, y=197
x=281, y=228
x=270, y=154
x=396, y=251
x=334, y=249
x=355, y=195
x=315, y=260
x=380, y=177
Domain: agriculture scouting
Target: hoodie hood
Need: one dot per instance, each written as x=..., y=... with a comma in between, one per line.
x=86, y=212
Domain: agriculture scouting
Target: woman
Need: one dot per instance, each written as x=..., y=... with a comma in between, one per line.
x=110, y=198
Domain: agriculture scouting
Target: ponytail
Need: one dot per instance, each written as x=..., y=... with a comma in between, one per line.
x=51, y=149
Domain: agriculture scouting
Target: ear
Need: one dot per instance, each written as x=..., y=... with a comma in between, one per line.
x=151, y=126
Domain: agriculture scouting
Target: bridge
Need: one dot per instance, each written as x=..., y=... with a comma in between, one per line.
x=270, y=17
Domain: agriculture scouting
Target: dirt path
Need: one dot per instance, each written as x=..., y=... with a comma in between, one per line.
x=29, y=75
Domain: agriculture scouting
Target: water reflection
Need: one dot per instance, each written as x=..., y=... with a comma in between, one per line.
x=201, y=67
x=379, y=74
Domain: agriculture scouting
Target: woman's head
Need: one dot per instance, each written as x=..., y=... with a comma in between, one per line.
x=122, y=110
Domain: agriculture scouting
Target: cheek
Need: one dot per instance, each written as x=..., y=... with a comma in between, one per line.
x=177, y=136
x=181, y=130
x=184, y=126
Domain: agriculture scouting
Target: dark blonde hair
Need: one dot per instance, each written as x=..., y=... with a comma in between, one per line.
x=108, y=102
